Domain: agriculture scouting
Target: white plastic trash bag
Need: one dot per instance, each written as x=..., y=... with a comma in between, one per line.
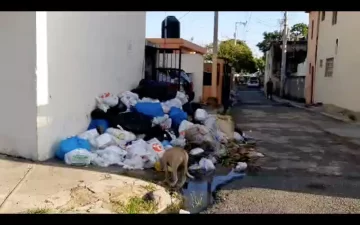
x=221, y=137
x=206, y=164
x=175, y=102
x=101, y=105
x=121, y=134
x=111, y=155
x=179, y=142
x=129, y=98
x=154, y=145
x=182, y=97
x=196, y=151
x=240, y=167
x=89, y=134
x=109, y=99
x=254, y=154
x=201, y=115
x=78, y=157
x=103, y=140
x=163, y=121
x=195, y=167
x=134, y=163
x=184, y=125
x=137, y=148
x=145, y=99
x=238, y=137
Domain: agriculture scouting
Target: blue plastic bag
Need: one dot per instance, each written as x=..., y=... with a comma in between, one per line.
x=71, y=144
x=151, y=109
x=98, y=123
x=177, y=116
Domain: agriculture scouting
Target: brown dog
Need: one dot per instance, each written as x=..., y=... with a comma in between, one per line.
x=177, y=158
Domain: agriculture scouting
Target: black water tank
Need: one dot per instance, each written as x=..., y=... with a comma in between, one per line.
x=172, y=26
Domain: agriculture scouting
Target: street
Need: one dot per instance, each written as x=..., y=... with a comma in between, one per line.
x=306, y=168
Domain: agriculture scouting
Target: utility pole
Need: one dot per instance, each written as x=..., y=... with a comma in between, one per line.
x=238, y=23
x=283, y=57
x=214, y=56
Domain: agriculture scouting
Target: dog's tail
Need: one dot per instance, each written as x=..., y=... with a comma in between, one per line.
x=186, y=166
x=189, y=175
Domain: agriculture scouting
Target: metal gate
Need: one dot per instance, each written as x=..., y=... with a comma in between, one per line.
x=168, y=66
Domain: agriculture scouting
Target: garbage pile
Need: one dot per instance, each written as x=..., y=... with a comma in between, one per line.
x=134, y=128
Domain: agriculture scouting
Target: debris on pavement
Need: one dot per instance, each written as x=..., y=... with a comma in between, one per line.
x=133, y=129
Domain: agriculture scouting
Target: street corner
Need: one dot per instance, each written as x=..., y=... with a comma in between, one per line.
x=67, y=190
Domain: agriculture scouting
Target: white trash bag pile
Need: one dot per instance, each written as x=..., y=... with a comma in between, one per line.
x=119, y=147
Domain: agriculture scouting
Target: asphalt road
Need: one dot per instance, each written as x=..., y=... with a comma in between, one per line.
x=305, y=169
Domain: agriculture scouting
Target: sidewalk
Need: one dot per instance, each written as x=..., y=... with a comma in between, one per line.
x=27, y=187
x=336, y=125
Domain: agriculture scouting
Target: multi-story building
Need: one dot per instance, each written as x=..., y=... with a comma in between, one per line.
x=333, y=59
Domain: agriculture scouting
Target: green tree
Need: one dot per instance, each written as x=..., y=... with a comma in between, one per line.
x=299, y=30
x=260, y=63
x=208, y=55
x=240, y=55
x=268, y=38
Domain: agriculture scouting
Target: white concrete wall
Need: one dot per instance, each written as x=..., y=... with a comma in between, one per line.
x=190, y=63
x=18, y=84
x=342, y=89
x=88, y=53
x=302, y=68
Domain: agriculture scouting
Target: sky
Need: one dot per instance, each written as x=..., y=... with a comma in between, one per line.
x=199, y=25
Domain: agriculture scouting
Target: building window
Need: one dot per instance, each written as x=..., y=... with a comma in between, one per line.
x=334, y=17
x=312, y=29
x=329, y=67
x=337, y=45
x=323, y=15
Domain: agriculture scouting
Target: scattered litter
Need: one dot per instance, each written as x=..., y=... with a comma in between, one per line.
x=201, y=115
x=254, y=154
x=206, y=164
x=196, y=151
x=240, y=167
x=238, y=137
x=183, y=212
x=195, y=167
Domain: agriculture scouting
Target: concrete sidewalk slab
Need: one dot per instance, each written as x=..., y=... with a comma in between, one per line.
x=68, y=190
x=11, y=174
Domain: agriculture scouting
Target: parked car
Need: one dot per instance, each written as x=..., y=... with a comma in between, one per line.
x=253, y=82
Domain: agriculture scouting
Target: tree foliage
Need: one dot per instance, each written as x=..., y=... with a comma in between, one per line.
x=268, y=38
x=297, y=30
x=260, y=63
x=240, y=55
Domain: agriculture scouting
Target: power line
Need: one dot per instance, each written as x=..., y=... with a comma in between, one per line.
x=184, y=15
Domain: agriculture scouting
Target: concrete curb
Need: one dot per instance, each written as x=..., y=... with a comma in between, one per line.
x=279, y=100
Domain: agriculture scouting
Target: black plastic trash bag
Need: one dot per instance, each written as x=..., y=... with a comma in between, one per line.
x=158, y=133
x=119, y=108
x=131, y=121
x=155, y=90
